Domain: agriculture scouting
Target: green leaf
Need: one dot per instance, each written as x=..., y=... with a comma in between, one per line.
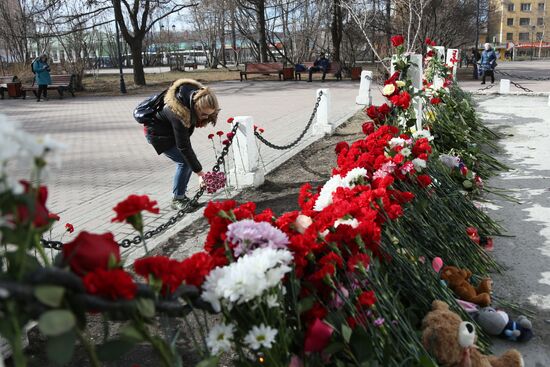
x=210, y=362
x=50, y=295
x=114, y=349
x=334, y=348
x=56, y=322
x=305, y=304
x=131, y=333
x=346, y=333
x=60, y=348
x=426, y=361
x=146, y=307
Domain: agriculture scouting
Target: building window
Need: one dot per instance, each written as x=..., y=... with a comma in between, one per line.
x=540, y=21
x=525, y=6
x=524, y=36
x=523, y=21
x=510, y=21
x=511, y=7
x=541, y=6
x=509, y=36
x=539, y=36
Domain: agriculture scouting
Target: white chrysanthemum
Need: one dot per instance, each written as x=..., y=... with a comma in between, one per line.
x=396, y=141
x=260, y=336
x=354, y=223
x=449, y=160
x=325, y=196
x=423, y=134
x=219, y=338
x=247, y=278
x=353, y=176
x=388, y=89
x=419, y=164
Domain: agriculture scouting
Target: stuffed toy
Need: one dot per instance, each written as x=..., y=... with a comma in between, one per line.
x=451, y=341
x=498, y=323
x=459, y=281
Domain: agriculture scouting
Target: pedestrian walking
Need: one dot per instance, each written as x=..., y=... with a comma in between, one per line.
x=187, y=105
x=42, y=76
x=488, y=63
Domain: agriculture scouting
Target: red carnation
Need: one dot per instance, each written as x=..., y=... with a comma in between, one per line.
x=210, y=136
x=196, y=268
x=402, y=100
x=230, y=120
x=359, y=259
x=162, y=268
x=368, y=128
x=367, y=298
x=130, y=209
x=397, y=40
x=230, y=135
x=317, y=336
x=69, y=227
x=473, y=234
x=219, y=133
x=341, y=146
x=384, y=109
x=429, y=41
x=88, y=252
x=225, y=142
x=38, y=211
x=261, y=130
x=435, y=100
x=112, y=284
x=424, y=180
x=53, y=216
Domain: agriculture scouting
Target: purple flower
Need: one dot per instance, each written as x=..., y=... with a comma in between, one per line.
x=248, y=235
x=379, y=322
x=214, y=181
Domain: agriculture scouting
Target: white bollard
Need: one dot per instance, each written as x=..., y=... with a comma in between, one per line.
x=452, y=54
x=245, y=152
x=504, y=86
x=364, y=97
x=416, y=74
x=549, y=100
x=321, y=125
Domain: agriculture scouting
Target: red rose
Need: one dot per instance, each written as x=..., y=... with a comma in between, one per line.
x=429, y=42
x=435, y=100
x=39, y=214
x=69, y=227
x=196, y=268
x=424, y=180
x=230, y=120
x=367, y=298
x=161, y=268
x=397, y=40
x=130, y=209
x=384, y=109
x=368, y=128
x=341, y=146
x=402, y=100
x=113, y=284
x=88, y=252
x=210, y=136
x=317, y=336
x=372, y=112
x=219, y=133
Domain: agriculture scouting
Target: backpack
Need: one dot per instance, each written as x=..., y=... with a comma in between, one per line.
x=146, y=112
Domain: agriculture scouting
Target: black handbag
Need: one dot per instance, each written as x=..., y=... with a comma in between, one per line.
x=146, y=112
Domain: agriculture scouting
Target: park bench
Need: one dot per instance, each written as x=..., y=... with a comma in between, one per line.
x=4, y=80
x=61, y=83
x=334, y=68
x=265, y=68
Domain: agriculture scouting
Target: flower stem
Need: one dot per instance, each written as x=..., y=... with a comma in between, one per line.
x=89, y=347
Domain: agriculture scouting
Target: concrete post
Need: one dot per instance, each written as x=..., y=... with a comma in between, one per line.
x=245, y=152
x=364, y=97
x=321, y=125
x=452, y=54
x=416, y=74
x=504, y=86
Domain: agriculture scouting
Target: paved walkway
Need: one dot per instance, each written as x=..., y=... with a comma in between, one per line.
x=108, y=158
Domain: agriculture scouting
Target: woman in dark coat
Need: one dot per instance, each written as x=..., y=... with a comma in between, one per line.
x=187, y=105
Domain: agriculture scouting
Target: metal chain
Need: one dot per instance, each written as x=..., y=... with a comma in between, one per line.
x=521, y=77
x=486, y=88
x=517, y=85
x=288, y=146
x=127, y=242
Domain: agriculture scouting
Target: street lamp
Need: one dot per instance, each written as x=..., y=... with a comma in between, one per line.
x=122, y=84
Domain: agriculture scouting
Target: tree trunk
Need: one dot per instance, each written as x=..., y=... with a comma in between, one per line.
x=336, y=29
x=137, y=62
x=262, y=29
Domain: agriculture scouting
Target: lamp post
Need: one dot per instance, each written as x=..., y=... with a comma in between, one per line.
x=122, y=84
x=533, y=28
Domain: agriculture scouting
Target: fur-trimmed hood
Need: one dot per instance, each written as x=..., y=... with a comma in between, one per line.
x=171, y=100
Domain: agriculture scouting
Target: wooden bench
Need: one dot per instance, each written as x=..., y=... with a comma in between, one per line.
x=265, y=68
x=61, y=83
x=4, y=80
x=334, y=68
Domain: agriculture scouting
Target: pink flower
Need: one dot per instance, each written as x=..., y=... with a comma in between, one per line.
x=317, y=336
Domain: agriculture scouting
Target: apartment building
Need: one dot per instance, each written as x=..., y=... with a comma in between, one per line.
x=520, y=25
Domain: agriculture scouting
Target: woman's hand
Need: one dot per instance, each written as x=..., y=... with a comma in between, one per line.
x=201, y=180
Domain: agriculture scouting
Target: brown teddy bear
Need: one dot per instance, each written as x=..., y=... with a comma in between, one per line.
x=459, y=281
x=451, y=341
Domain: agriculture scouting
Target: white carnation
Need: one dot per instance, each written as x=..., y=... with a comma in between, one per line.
x=396, y=142
x=423, y=134
x=325, y=196
x=354, y=223
x=353, y=176
x=419, y=164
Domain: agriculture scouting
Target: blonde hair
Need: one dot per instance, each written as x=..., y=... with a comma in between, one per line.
x=206, y=99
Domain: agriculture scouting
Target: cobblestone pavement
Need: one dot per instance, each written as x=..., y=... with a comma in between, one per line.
x=107, y=157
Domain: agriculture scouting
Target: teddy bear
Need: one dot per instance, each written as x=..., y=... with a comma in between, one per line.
x=451, y=341
x=459, y=281
x=498, y=323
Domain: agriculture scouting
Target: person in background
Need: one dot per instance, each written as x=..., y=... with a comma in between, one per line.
x=475, y=59
x=187, y=104
x=42, y=76
x=321, y=64
x=488, y=63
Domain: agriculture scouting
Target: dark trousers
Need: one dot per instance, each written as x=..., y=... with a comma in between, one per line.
x=317, y=68
x=490, y=73
x=42, y=90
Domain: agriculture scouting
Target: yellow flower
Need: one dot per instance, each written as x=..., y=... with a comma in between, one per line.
x=400, y=83
x=388, y=90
